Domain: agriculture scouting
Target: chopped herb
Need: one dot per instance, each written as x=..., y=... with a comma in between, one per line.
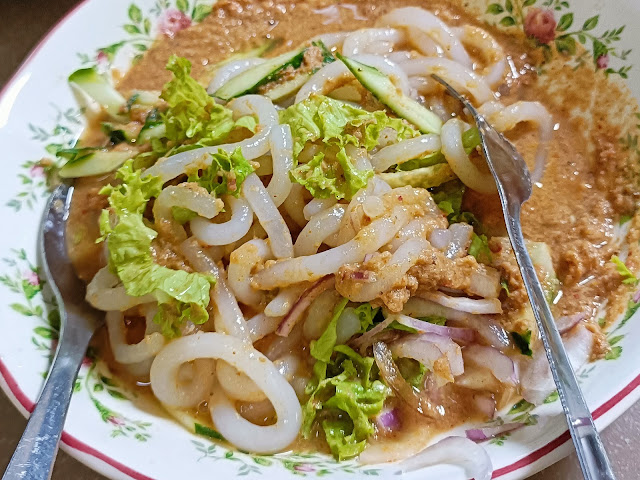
x=628, y=277
x=207, y=432
x=522, y=341
x=479, y=248
x=625, y=218
x=504, y=284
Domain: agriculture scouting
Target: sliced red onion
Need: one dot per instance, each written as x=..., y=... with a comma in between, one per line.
x=566, y=323
x=392, y=377
x=368, y=338
x=486, y=404
x=460, y=334
x=425, y=352
x=486, y=433
x=453, y=451
x=295, y=314
x=427, y=349
x=388, y=420
x=536, y=380
x=465, y=304
x=636, y=296
x=501, y=366
x=485, y=283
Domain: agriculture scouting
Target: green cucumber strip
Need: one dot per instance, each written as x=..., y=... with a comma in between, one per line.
x=388, y=94
x=95, y=163
x=426, y=177
x=251, y=79
x=89, y=82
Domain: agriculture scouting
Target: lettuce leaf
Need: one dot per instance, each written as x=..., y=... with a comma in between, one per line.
x=628, y=277
x=192, y=112
x=366, y=314
x=225, y=175
x=345, y=402
x=336, y=124
x=479, y=248
x=181, y=295
x=322, y=348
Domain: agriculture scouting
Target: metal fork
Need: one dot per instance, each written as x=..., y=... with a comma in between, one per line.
x=36, y=452
x=514, y=187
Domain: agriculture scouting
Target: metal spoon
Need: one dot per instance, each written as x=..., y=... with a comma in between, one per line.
x=36, y=452
x=514, y=187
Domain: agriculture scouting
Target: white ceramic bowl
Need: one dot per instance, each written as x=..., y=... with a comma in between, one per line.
x=108, y=431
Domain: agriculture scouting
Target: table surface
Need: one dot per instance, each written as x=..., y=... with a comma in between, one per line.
x=25, y=22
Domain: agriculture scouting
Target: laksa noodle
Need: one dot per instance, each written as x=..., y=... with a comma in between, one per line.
x=296, y=240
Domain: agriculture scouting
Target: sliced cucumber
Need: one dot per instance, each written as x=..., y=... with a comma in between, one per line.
x=87, y=82
x=87, y=162
x=151, y=131
x=426, y=177
x=251, y=79
x=387, y=93
x=253, y=53
x=286, y=89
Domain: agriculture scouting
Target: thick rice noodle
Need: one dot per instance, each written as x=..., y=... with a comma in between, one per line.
x=227, y=232
x=379, y=41
x=246, y=359
x=312, y=267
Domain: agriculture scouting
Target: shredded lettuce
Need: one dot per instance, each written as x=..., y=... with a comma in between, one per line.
x=192, y=112
x=180, y=294
x=479, y=248
x=322, y=348
x=336, y=124
x=448, y=197
x=226, y=173
x=412, y=371
x=366, y=314
x=345, y=396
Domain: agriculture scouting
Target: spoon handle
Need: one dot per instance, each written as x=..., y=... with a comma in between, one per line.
x=591, y=453
x=36, y=452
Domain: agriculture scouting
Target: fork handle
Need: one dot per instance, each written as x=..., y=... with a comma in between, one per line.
x=591, y=453
x=36, y=452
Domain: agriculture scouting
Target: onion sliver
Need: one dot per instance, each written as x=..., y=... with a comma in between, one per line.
x=404, y=151
x=248, y=360
x=105, y=292
x=501, y=366
x=393, y=378
x=453, y=451
x=566, y=323
x=464, y=304
x=368, y=338
x=486, y=433
x=311, y=268
x=295, y=314
x=465, y=335
x=228, y=232
x=269, y=216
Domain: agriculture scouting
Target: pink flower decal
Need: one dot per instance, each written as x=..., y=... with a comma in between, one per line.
x=102, y=58
x=602, y=61
x=304, y=467
x=115, y=420
x=32, y=277
x=541, y=25
x=173, y=21
x=36, y=171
